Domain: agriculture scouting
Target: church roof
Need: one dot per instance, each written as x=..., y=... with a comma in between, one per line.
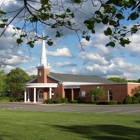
x=78, y=78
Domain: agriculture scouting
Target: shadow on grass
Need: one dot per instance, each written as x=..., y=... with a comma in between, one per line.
x=103, y=132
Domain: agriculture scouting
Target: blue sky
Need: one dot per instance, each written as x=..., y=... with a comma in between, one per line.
x=66, y=55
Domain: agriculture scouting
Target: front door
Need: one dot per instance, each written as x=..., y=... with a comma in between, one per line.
x=40, y=96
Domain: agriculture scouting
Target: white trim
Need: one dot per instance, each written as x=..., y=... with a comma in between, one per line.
x=108, y=95
x=28, y=96
x=50, y=92
x=25, y=96
x=34, y=95
x=79, y=83
x=40, y=85
x=70, y=87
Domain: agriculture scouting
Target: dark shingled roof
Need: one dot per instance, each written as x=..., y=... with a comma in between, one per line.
x=79, y=78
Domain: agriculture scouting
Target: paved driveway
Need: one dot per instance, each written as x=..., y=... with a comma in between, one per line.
x=95, y=109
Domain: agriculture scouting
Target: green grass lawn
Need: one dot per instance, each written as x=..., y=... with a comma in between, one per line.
x=28, y=125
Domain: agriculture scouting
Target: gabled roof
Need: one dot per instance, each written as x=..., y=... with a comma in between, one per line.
x=60, y=77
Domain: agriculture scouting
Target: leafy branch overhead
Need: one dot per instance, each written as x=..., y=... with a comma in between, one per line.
x=29, y=16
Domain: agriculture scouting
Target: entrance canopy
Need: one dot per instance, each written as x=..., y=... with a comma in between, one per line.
x=40, y=85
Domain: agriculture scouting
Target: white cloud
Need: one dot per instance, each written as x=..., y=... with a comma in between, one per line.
x=32, y=70
x=86, y=43
x=63, y=52
x=93, y=57
x=65, y=64
x=7, y=68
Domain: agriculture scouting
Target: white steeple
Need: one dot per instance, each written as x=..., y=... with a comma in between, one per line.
x=43, y=53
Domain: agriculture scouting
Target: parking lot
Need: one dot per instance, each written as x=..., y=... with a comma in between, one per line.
x=95, y=109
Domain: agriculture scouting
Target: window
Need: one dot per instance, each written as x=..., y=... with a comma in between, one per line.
x=83, y=93
x=110, y=94
x=40, y=94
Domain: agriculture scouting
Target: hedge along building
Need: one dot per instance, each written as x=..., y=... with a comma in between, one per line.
x=47, y=84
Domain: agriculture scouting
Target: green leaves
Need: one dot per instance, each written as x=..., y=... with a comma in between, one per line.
x=58, y=34
x=19, y=41
x=2, y=25
x=2, y=12
x=111, y=13
x=50, y=42
x=112, y=44
x=105, y=20
x=133, y=16
x=124, y=41
x=119, y=16
x=77, y=1
x=108, y=31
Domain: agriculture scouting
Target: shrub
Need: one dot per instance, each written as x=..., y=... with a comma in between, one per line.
x=120, y=102
x=4, y=99
x=112, y=102
x=49, y=101
x=57, y=101
x=57, y=95
x=134, y=98
x=64, y=100
x=127, y=99
x=73, y=101
x=137, y=95
x=102, y=103
x=79, y=100
x=135, y=102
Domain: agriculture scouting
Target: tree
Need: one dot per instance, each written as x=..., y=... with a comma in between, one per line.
x=128, y=99
x=64, y=14
x=15, y=80
x=97, y=93
x=2, y=81
x=117, y=79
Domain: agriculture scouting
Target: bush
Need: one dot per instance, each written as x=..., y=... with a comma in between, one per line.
x=57, y=101
x=49, y=101
x=102, y=103
x=127, y=99
x=120, y=102
x=135, y=102
x=112, y=102
x=134, y=98
x=73, y=101
x=4, y=99
x=64, y=100
x=137, y=95
x=79, y=100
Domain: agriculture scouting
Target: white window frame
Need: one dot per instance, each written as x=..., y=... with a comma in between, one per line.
x=83, y=94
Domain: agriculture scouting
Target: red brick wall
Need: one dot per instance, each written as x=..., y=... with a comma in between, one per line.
x=130, y=88
x=43, y=77
x=59, y=90
x=119, y=91
x=50, y=80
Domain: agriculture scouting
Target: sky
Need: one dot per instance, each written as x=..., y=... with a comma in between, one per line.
x=66, y=54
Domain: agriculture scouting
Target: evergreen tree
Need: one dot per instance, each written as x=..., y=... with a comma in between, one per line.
x=128, y=99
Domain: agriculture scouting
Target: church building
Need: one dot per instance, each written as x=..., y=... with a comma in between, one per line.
x=47, y=84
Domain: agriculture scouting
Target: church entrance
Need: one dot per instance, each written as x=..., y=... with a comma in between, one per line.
x=40, y=96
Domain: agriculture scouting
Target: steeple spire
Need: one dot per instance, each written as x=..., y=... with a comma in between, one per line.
x=43, y=53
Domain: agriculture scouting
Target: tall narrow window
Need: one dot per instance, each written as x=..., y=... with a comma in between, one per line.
x=83, y=94
x=110, y=94
x=40, y=94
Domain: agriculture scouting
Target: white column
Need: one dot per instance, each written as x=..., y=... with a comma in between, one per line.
x=25, y=96
x=34, y=95
x=50, y=92
x=28, y=96
x=108, y=95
